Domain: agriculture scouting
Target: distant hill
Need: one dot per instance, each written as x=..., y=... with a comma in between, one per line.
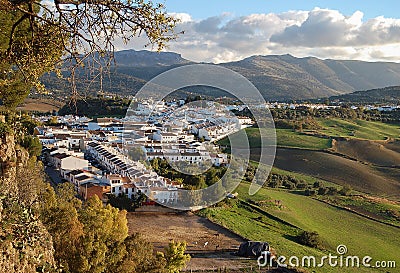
x=143, y=58
x=278, y=77
x=288, y=77
x=380, y=95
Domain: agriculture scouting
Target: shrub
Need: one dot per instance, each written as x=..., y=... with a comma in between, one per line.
x=332, y=191
x=322, y=191
x=310, y=192
x=317, y=184
x=310, y=239
x=4, y=128
x=345, y=190
x=301, y=186
x=32, y=145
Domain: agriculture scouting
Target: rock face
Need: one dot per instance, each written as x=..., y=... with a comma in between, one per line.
x=8, y=164
x=25, y=244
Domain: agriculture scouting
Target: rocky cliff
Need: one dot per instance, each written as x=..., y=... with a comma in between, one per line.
x=25, y=244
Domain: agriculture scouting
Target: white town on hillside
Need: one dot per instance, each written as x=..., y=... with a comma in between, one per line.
x=107, y=155
x=96, y=155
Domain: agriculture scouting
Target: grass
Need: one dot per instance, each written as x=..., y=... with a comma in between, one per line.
x=290, y=138
x=307, y=178
x=303, y=177
x=333, y=127
x=335, y=226
x=370, y=130
x=285, y=138
x=381, y=210
x=254, y=226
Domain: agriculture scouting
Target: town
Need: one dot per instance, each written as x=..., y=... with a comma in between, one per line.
x=111, y=155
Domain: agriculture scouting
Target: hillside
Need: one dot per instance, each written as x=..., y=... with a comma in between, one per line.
x=285, y=76
x=280, y=223
x=385, y=95
x=94, y=107
x=278, y=77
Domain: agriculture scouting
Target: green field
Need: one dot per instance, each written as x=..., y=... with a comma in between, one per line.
x=335, y=226
x=285, y=138
x=359, y=129
x=382, y=210
x=289, y=138
x=306, y=178
x=362, y=129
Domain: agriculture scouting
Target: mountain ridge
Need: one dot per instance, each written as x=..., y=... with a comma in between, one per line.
x=278, y=77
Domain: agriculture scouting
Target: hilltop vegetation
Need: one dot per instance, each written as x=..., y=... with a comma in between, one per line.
x=94, y=107
x=381, y=95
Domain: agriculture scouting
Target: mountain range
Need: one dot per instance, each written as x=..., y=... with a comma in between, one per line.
x=278, y=77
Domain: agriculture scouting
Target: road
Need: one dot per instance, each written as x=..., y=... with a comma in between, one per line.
x=54, y=176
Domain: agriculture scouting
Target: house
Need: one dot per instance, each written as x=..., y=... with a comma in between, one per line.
x=164, y=195
x=90, y=189
x=117, y=184
x=66, y=163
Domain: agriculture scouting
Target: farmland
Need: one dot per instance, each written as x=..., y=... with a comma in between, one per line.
x=40, y=105
x=360, y=235
x=340, y=170
x=358, y=129
x=361, y=155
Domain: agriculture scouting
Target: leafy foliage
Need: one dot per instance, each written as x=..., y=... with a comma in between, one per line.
x=37, y=34
x=175, y=256
x=25, y=57
x=32, y=145
x=93, y=107
x=193, y=182
x=311, y=239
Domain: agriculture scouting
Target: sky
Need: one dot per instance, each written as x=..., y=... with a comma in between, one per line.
x=222, y=31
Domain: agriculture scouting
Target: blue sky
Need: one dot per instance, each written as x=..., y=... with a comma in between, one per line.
x=222, y=31
x=206, y=8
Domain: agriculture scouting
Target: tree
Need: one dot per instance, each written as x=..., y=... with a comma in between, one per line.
x=105, y=228
x=140, y=258
x=311, y=239
x=36, y=34
x=66, y=230
x=175, y=256
x=136, y=153
x=345, y=190
x=28, y=49
x=52, y=121
x=138, y=200
x=32, y=144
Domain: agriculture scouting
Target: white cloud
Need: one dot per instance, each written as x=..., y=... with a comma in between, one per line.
x=183, y=17
x=322, y=33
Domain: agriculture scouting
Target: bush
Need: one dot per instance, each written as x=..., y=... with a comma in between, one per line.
x=32, y=145
x=345, y=190
x=322, y=191
x=317, y=184
x=4, y=128
x=310, y=239
x=289, y=185
x=301, y=186
x=332, y=191
x=121, y=202
x=310, y=192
